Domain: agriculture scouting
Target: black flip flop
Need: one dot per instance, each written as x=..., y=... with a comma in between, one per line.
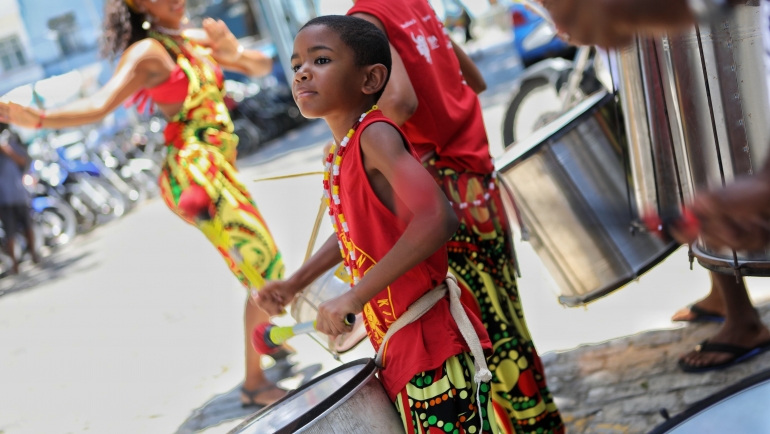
x=740, y=354
x=703, y=316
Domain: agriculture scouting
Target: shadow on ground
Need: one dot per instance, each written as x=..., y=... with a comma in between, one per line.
x=227, y=406
x=51, y=268
x=621, y=386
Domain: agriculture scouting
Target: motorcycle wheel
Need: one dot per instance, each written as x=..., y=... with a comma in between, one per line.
x=85, y=216
x=57, y=225
x=536, y=104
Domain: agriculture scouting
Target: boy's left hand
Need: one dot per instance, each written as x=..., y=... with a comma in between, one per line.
x=331, y=314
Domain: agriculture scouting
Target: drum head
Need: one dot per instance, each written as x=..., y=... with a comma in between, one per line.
x=301, y=407
x=741, y=408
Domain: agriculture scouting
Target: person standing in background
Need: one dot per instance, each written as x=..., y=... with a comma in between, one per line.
x=14, y=198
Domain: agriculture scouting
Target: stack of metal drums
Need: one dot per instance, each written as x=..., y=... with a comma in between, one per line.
x=697, y=117
x=691, y=114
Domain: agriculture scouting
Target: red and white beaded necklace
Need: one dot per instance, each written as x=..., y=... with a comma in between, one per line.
x=332, y=194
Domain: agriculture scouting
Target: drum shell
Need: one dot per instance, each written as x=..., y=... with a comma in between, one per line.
x=361, y=405
x=720, y=110
x=569, y=183
x=331, y=284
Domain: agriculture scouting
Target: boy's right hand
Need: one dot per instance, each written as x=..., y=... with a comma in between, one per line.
x=275, y=295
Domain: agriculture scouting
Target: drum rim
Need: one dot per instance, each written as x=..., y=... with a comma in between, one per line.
x=554, y=130
x=577, y=300
x=717, y=264
x=331, y=403
x=741, y=386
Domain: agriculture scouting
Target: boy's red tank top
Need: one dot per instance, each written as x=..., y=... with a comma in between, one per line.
x=448, y=119
x=373, y=230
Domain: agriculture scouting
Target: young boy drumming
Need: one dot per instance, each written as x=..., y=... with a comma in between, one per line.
x=391, y=222
x=432, y=95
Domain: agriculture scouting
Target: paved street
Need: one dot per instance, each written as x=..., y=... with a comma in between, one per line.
x=135, y=327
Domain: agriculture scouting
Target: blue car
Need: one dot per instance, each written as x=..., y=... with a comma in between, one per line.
x=534, y=38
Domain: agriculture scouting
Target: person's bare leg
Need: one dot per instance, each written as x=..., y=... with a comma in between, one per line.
x=255, y=375
x=10, y=250
x=714, y=302
x=31, y=248
x=743, y=327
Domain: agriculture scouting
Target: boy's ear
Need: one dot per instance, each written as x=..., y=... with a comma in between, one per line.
x=376, y=79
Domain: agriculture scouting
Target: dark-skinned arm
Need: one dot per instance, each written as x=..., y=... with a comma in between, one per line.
x=278, y=293
x=470, y=71
x=432, y=224
x=399, y=101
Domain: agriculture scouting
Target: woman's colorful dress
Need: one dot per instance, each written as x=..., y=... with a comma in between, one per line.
x=199, y=181
x=481, y=257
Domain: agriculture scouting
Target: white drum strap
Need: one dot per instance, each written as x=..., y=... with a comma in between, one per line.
x=423, y=305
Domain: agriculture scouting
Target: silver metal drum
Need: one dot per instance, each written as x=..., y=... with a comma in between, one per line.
x=348, y=400
x=332, y=284
x=569, y=180
x=741, y=408
x=718, y=113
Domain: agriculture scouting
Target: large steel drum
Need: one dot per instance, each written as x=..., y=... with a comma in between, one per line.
x=570, y=182
x=740, y=408
x=718, y=113
x=347, y=400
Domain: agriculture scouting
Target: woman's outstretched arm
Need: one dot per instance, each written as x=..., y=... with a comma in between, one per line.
x=144, y=64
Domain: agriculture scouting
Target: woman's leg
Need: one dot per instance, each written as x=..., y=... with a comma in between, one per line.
x=229, y=218
x=262, y=391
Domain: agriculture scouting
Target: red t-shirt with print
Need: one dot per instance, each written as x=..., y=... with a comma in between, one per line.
x=448, y=119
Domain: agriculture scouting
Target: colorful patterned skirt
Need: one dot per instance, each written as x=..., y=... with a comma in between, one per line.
x=481, y=257
x=443, y=401
x=200, y=184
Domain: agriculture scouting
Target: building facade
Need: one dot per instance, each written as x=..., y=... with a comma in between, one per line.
x=18, y=65
x=63, y=34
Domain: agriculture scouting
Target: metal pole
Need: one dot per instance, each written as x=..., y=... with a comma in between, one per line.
x=275, y=18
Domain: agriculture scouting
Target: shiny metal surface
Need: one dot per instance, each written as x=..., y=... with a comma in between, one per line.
x=744, y=412
x=719, y=107
x=655, y=171
x=331, y=284
x=570, y=184
x=300, y=403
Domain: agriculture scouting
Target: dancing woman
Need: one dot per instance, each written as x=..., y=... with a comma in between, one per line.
x=160, y=64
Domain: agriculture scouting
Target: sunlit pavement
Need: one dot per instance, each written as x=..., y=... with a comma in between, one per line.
x=141, y=325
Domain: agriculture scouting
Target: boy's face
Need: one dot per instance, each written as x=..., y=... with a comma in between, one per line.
x=326, y=78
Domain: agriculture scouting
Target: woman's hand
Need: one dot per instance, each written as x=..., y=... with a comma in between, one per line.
x=331, y=314
x=224, y=46
x=27, y=117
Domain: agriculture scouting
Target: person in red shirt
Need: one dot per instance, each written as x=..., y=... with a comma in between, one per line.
x=391, y=223
x=432, y=93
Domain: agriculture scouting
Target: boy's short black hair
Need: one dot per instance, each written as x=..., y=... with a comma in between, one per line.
x=369, y=44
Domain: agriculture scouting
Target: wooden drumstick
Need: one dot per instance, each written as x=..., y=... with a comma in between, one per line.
x=266, y=337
